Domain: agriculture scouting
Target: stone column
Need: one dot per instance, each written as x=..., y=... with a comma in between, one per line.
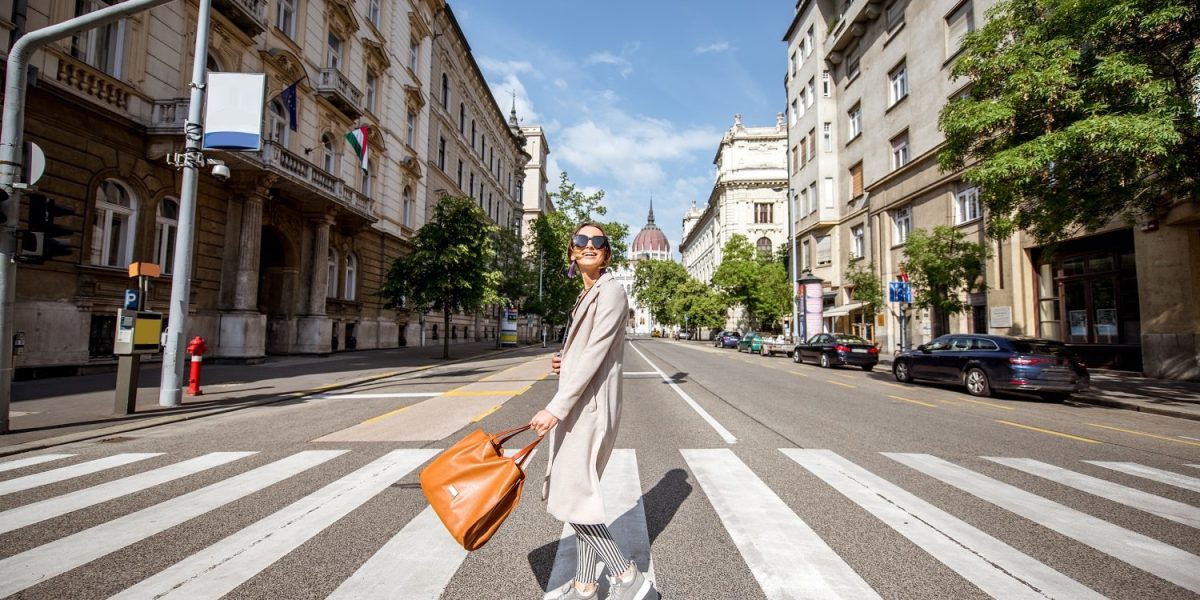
x=250, y=241
x=320, y=264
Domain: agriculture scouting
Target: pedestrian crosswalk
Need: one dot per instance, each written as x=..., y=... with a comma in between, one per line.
x=786, y=556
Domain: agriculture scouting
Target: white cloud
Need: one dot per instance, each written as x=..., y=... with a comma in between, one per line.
x=608, y=58
x=510, y=84
x=560, y=83
x=717, y=47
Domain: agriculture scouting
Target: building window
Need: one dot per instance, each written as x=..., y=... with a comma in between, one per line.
x=285, y=17
x=278, y=125
x=462, y=118
x=445, y=92
x=827, y=190
x=805, y=256
x=351, y=285
x=471, y=193
x=442, y=154
x=856, y=180
x=857, y=241
x=460, y=174
x=895, y=14
x=900, y=153
x=764, y=247
x=803, y=204
x=367, y=180
x=373, y=12
x=331, y=274
x=795, y=111
x=794, y=66
x=967, y=207
x=333, y=53
x=827, y=136
x=852, y=64
x=410, y=136
x=855, y=117
x=472, y=134
x=328, y=156
x=812, y=191
x=902, y=218
x=408, y=207
x=113, y=225
x=372, y=85
x=167, y=222
x=812, y=143
x=810, y=91
x=414, y=55
x=803, y=102
x=102, y=47
x=826, y=84
x=824, y=251
x=764, y=212
x=898, y=89
x=809, y=42
x=959, y=23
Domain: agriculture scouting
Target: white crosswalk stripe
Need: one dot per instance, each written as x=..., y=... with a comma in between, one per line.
x=1159, y=475
x=1143, y=552
x=62, y=474
x=1155, y=505
x=60, y=505
x=995, y=567
x=30, y=461
x=787, y=557
x=58, y=557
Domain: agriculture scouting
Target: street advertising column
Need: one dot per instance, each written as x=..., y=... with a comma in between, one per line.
x=814, y=306
x=508, y=328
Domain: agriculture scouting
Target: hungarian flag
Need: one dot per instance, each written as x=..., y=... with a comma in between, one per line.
x=358, y=141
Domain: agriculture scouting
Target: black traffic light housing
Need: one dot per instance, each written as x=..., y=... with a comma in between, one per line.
x=45, y=239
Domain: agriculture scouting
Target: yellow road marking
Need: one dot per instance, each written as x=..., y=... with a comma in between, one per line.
x=913, y=401
x=987, y=404
x=479, y=417
x=327, y=387
x=841, y=384
x=486, y=392
x=388, y=414
x=901, y=386
x=1058, y=433
x=1150, y=435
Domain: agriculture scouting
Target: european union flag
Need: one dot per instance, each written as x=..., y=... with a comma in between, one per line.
x=289, y=100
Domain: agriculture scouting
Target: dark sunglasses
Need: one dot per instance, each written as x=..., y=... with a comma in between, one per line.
x=599, y=242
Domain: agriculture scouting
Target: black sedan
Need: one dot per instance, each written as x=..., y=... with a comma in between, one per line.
x=833, y=349
x=984, y=363
x=727, y=339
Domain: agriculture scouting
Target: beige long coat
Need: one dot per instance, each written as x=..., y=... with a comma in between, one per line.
x=588, y=405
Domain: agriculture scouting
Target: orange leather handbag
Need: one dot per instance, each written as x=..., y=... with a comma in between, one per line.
x=473, y=486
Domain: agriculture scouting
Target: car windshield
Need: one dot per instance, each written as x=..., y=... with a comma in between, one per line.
x=850, y=339
x=1041, y=347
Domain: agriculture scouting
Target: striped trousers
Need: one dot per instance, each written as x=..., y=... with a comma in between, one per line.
x=594, y=543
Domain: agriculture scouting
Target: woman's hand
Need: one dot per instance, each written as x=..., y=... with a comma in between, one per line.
x=543, y=421
x=556, y=362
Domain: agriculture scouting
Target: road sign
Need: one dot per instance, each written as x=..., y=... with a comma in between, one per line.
x=899, y=291
x=132, y=299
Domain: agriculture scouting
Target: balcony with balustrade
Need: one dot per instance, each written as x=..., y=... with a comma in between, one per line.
x=303, y=183
x=337, y=89
x=248, y=15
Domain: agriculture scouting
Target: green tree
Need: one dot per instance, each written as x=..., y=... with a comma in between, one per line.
x=655, y=284
x=1078, y=112
x=758, y=283
x=451, y=266
x=868, y=288
x=697, y=305
x=943, y=266
x=772, y=295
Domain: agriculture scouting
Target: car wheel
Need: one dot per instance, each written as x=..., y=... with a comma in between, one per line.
x=868, y=368
x=825, y=364
x=977, y=382
x=796, y=357
x=900, y=370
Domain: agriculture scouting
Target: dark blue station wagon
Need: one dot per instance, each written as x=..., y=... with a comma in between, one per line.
x=984, y=363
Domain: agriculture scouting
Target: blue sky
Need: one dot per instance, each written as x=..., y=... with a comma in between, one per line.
x=634, y=96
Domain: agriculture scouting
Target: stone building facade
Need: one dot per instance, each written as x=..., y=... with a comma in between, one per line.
x=866, y=81
x=748, y=198
x=290, y=251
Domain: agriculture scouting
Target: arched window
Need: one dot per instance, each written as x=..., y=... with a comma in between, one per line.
x=113, y=225
x=351, y=287
x=164, y=234
x=277, y=125
x=764, y=246
x=328, y=155
x=332, y=276
x=408, y=207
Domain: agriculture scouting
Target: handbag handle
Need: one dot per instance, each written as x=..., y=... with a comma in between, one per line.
x=519, y=458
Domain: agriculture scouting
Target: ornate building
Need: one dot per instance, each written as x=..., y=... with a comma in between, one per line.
x=747, y=198
x=649, y=244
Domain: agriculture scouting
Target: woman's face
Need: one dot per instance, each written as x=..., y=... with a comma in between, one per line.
x=589, y=258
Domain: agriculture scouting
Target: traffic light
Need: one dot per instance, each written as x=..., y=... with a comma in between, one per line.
x=46, y=239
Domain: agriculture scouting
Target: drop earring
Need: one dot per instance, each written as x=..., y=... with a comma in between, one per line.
x=571, y=271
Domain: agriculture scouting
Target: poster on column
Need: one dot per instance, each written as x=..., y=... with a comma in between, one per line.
x=814, y=307
x=508, y=328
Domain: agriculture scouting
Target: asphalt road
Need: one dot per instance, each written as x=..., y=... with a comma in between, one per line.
x=736, y=476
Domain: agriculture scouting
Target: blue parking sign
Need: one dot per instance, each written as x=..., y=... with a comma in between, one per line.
x=131, y=299
x=899, y=291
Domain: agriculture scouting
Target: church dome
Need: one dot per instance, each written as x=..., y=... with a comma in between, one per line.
x=650, y=242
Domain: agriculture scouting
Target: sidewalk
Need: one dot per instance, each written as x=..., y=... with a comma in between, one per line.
x=53, y=411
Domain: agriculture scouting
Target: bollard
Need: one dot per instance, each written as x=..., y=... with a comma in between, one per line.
x=196, y=348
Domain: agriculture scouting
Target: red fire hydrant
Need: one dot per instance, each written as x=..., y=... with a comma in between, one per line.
x=196, y=348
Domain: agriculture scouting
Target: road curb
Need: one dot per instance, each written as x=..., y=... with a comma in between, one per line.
x=81, y=436
x=1154, y=410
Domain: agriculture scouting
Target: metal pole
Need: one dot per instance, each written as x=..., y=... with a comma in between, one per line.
x=542, y=317
x=11, y=132
x=171, y=390
x=794, y=275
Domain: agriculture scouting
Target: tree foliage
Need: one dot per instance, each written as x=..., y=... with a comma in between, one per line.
x=517, y=278
x=655, y=285
x=1079, y=111
x=452, y=266
x=696, y=305
x=758, y=283
x=943, y=266
x=868, y=287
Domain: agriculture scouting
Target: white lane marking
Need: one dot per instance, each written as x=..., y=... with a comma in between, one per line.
x=29, y=514
x=1159, y=475
x=53, y=559
x=639, y=372
x=995, y=567
x=1195, y=466
x=79, y=470
x=30, y=461
x=380, y=395
x=1155, y=505
x=1143, y=552
x=218, y=569
x=626, y=517
x=787, y=557
x=721, y=431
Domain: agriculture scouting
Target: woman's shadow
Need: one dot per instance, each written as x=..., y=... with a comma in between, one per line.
x=658, y=505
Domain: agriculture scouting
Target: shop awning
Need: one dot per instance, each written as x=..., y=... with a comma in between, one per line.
x=843, y=310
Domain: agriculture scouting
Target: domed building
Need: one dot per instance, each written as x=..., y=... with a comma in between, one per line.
x=649, y=244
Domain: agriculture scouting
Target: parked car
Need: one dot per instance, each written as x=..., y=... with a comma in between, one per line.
x=833, y=349
x=655, y=334
x=777, y=344
x=750, y=342
x=727, y=339
x=985, y=363
x=683, y=334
